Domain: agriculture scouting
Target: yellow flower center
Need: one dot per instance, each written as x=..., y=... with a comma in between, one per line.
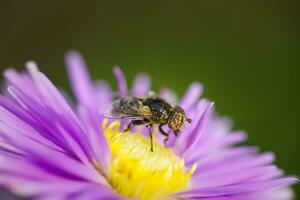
x=138, y=172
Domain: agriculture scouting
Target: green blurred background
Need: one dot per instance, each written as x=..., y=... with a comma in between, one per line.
x=246, y=53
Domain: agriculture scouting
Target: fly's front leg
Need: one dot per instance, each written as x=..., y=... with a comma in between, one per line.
x=163, y=133
x=135, y=122
x=176, y=133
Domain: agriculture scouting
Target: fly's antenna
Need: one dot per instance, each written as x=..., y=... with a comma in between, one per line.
x=189, y=120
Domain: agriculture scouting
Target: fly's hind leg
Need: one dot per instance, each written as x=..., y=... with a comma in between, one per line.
x=164, y=133
x=135, y=122
x=149, y=126
x=141, y=122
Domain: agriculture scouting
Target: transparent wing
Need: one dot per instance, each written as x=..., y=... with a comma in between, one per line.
x=109, y=113
x=123, y=108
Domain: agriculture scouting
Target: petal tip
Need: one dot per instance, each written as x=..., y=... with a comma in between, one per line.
x=72, y=53
x=72, y=57
x=31, y=66
x=117, y=70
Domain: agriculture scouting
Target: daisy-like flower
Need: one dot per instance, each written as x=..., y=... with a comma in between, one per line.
x=54, y=149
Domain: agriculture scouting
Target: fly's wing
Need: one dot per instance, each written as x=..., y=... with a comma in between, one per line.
x=127, y=106
x=124, y=108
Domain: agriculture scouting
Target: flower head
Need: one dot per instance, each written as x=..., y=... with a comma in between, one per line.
x=136, y=171
x=51, y=148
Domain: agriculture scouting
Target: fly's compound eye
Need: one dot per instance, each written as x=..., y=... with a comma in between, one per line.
x=176, y=121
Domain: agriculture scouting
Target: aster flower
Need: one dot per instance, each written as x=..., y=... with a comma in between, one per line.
x=51, y=148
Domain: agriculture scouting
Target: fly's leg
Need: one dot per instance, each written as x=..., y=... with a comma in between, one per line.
x=149, y=126
x=135, y=122
x=176, y=133
x=141, y=122
x=164, y=133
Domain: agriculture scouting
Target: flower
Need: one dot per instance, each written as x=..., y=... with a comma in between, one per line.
x=51, y=148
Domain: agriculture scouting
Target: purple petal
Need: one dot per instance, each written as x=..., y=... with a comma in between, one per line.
x=192, y=96
x=53, y=122
x=141, y=85
x=187, y=142
x=239, y=163
x=103, y=95
x=237, y=176
x=56, y=189
x=169, y=95
x=38, y=150
x=89, y=106
x=22, y=81
x=122, y=85
x=213, y=145
x=236, y=189
x=7, y=120
x=80, y=79
x=96, y=139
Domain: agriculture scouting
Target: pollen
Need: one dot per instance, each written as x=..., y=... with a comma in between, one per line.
x=136, y=172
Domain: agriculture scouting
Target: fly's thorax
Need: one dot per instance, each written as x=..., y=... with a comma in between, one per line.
x=159, y=118
x=160, y=109
x=177, y=119
x=163, y=116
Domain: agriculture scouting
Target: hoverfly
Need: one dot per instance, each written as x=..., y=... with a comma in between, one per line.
x=149, y=111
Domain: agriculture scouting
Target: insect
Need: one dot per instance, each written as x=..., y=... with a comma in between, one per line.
x=149, y=111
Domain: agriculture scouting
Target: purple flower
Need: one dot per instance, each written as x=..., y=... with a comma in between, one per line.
x=53, y=149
